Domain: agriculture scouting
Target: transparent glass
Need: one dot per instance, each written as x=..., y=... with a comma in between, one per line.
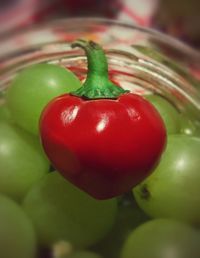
x=170, y=70
x=141, y=60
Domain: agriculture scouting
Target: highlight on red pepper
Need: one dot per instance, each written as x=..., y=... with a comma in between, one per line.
x=102, y=138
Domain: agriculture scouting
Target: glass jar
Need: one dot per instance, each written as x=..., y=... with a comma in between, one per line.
x=141, y=60
x=160, y=63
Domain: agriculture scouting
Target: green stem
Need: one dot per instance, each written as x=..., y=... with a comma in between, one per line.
x=97, y=84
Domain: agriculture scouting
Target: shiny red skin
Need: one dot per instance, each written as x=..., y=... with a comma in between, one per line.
x=105, y=146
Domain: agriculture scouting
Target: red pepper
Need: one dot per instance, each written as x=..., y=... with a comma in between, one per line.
x=102, y=138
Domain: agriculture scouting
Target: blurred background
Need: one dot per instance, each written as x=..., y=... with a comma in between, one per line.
x=179, y=19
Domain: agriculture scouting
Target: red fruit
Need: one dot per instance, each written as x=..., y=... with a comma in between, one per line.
x=104, y=145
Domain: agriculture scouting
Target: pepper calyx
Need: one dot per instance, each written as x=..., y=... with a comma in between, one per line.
x=110, y=93
x=97, y=84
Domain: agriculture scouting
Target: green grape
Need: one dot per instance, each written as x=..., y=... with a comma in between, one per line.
x=22, y=161
x=33, y=88
x=60, y=211
x=17, y=236
x=173, y=189
x=188, y=127
x=5, y=113
x=128, y=218
x=169, y=114
x=162, y=238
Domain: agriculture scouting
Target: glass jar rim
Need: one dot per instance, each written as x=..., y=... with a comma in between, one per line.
x=92, y=21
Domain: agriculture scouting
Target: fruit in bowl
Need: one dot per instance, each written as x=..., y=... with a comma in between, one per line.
x=103, y=141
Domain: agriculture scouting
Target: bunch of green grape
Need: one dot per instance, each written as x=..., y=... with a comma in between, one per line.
x=171, y=194
x=51, y=208
x=40, y=209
